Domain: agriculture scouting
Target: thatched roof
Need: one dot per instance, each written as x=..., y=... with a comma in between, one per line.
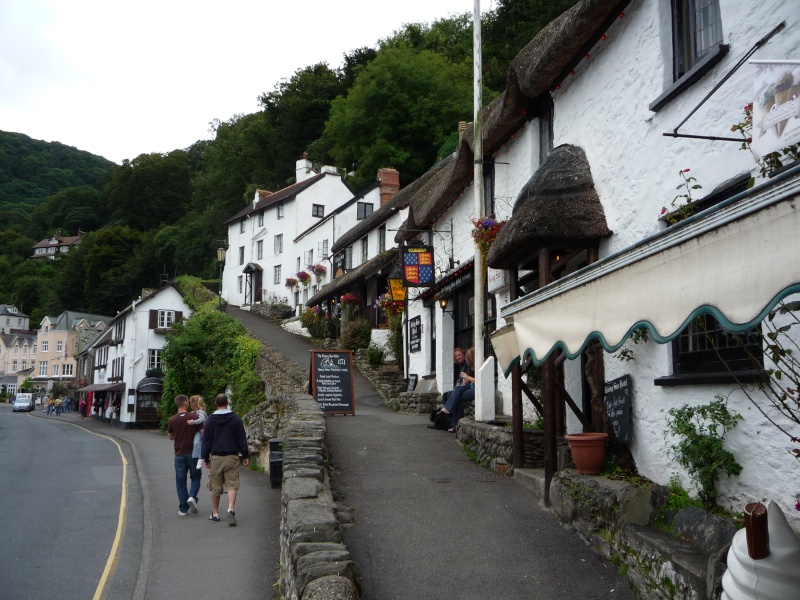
x=538, y=67
x=558, y=208
x=354, y=277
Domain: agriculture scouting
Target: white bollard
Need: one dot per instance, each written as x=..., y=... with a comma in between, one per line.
x=484, y=391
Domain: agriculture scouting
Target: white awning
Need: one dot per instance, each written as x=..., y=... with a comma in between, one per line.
x=735, y=261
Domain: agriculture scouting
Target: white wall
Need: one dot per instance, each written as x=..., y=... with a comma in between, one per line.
x=603, y=108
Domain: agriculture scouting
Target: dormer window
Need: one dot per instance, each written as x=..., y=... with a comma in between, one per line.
x=53, y=240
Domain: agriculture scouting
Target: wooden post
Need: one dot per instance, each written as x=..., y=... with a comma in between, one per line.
x=548, y=394
x=756, y=530
x=517, y=435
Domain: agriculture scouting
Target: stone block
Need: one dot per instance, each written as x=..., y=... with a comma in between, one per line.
x=709, y=532
x=331, y=587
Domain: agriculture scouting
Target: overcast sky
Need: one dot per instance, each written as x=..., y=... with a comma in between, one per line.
x=121, y=79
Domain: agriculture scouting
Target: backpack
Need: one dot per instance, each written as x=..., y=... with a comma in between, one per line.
x=440, y=419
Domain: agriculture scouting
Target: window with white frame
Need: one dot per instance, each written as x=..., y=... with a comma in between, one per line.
x=298, y=264
x=45, y=346
x=261, y=218
x=67, y=370
x=280, y=210
x=25, y=350
x=43, y=368
x=279, y=243
x=317, y=210
x=16, y=349
x=154, y=358
x=364, y=249
x=363, y=210
x=260, y=249
x=24, y=364
x=381, y=238
x=276, y=279
x=696, y=31
x=59, y=346
x=241, y=255
x=166, y=318
x=324, y=250
x=55, y=369
x=308, y=258
x=242, y=226
x=14, y=365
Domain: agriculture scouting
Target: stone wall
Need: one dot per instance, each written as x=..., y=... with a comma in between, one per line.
x=491, y=444
x=279, y=374
x=274, y=313
x=314, y=562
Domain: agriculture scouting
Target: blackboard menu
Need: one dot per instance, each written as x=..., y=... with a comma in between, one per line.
x=415, y=334
x=618, y=406
x=332, y=381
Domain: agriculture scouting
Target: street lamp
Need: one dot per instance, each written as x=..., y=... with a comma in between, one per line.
x=221, y=259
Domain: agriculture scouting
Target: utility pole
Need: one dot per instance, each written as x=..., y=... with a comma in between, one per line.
x=480, y=303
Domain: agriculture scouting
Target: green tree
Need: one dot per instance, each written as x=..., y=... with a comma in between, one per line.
x=400, y=110
x=113, y=277
x=151, y=190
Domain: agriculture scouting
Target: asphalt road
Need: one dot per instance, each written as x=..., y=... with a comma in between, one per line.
x=68, y=532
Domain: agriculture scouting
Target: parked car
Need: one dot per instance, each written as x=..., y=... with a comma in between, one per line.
x=23, y=403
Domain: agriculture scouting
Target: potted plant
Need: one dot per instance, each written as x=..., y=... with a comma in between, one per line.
x=588, y=451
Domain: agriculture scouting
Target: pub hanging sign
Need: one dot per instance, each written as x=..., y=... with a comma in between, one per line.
x=418, y=266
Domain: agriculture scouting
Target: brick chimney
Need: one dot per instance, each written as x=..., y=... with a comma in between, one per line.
x=390, y=183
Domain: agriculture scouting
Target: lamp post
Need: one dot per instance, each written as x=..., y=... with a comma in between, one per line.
x=221, y=259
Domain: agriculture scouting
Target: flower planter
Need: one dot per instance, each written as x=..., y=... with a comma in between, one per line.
x=588, y=451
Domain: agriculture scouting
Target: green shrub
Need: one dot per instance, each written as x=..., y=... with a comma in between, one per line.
x=700, y=447
x=375, y=355
x=356, y=334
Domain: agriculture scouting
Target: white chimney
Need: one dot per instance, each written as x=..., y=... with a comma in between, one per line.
x=303, y=169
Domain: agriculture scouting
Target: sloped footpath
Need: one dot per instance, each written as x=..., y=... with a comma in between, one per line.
x=428, y=522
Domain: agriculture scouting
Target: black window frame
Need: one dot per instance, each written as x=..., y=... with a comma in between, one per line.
x=318, y=210
x=363, y=210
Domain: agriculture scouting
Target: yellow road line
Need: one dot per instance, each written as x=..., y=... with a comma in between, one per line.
x=113, y=557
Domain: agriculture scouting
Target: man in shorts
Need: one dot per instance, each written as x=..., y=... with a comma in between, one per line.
x=224, y=441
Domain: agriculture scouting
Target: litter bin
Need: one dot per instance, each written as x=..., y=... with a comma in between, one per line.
x=276, y=462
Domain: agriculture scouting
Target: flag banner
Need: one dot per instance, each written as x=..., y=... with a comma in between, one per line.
x=418, y=266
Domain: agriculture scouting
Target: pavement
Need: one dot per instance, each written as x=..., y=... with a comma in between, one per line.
x=166, y=556
x=431, y=524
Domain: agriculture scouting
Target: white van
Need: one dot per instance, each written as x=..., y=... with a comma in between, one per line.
x=23, y=402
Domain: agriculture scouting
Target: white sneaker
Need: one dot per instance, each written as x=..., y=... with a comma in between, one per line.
x=192, y=505
x=199, y=464
x=181, y=513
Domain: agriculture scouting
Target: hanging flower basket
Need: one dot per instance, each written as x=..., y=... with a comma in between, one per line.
x=391, y=307
x=304, y=278
x=291, y=282
x=319, y=271
x=349, y=299
x=485, y=232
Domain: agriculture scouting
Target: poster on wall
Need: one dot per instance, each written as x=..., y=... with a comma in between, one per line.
x=415, y=334
x=418, y=266
x=776, y=106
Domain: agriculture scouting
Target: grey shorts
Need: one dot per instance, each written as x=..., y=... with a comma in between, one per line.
x=224, y=474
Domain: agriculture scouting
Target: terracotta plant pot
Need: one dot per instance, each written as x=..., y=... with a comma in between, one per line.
x=588, y=451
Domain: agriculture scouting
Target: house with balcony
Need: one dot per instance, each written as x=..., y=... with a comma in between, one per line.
x=126, y=358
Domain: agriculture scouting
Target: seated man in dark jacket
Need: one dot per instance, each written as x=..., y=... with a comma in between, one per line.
x=224, y=441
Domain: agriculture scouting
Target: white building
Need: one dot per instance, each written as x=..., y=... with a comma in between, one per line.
x=291, y=231
x=127, y=358
x=577, y=157
x=262, y=252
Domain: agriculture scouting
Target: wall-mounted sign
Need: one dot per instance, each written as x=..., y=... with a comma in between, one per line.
x=415, y=334
x=396, y=290
x=776, y=106
x=496, y=280
x=618, y=406
x=418, y=266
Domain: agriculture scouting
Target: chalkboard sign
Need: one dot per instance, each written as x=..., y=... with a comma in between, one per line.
x=332, y=381
x=618, y=406
x=415, y=337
